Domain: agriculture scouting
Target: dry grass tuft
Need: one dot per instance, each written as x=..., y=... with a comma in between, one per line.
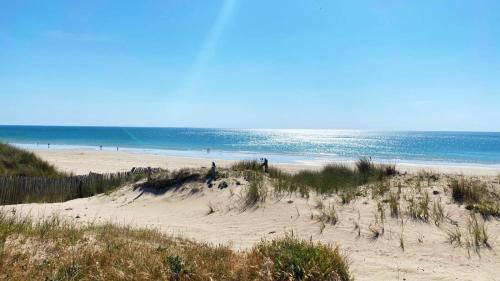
x=418, y=207
x=437, y=213
x=328, y=215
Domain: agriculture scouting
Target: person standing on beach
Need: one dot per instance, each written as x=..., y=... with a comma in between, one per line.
x=211, y=175
x=265, y=165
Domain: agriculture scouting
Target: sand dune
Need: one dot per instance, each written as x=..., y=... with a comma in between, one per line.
x=427, y=255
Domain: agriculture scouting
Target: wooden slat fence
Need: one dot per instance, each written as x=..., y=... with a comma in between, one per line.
x=16, y=190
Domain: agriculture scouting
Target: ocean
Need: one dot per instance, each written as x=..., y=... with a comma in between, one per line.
x=282, y=145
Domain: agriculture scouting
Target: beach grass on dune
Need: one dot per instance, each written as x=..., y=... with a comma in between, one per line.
x=476, y=196
x=332, y=178
x=18, y=162
x=54, y=249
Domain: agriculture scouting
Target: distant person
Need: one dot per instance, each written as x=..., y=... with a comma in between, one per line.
x=265, y=164
x=48, y=145
x=117, y=148
x=211, y=175
x=100, y=147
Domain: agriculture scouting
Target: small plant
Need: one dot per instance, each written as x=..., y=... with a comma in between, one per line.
x=486, y=209
x=380, y=189
x=329, y=215
x=381, y=211
x=177, y=267
x=390, y=170
x=319, y=204
x=293, y=259
x=438, y=212
x=455, y=236
x=257, y=191
x=347, y=197
x=428, y=176
x=364, y=167
x=393, y=201
x=477, y=232
x=467, y=190
x=419, y=208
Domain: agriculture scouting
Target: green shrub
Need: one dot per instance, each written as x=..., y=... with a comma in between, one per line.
x=294, y=259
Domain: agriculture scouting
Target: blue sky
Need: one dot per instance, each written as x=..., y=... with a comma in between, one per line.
x=392, y=65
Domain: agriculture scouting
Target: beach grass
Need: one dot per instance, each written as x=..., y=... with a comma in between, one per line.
x=54, y=249
x=332, y=178
x=256, y=191
x=16, y=162
x=475, y=194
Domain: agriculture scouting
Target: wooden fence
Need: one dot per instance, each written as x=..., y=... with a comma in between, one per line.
x=16, y=190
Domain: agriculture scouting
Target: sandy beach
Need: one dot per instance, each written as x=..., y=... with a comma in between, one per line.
x=426, y=254
x=83, y=161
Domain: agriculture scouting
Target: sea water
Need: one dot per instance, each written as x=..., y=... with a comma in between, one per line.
x=280, y=145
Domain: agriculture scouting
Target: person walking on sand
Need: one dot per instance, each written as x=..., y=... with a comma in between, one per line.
x=265, y=165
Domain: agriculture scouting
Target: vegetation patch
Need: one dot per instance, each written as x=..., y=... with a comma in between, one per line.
x=476, y=195
x=256, y=192
x=54, y=250
x=330, y=179
x=15, y=162
x=292, y=259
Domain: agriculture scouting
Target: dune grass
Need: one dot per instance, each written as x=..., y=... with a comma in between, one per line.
x=256, y=192
x=53, y=249
x=467, y=191
x=332, y=178
x=476, y=196
x=418, y=207
x=16, y=162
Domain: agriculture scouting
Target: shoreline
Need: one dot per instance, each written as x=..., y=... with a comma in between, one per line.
x=83, y=161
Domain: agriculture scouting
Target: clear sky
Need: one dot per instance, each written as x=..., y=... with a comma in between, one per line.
x=396, y=65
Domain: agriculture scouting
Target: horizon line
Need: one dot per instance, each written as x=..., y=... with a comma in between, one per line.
x=228, y=128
